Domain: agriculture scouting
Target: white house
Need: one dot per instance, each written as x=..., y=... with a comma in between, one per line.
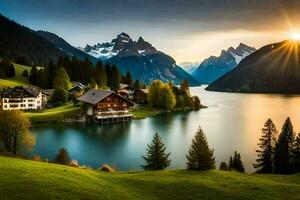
x=21, y=98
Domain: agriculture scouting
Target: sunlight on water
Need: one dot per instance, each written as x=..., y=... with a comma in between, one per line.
x=231, y=122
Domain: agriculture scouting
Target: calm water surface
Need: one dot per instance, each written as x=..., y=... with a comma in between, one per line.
x=231, y=122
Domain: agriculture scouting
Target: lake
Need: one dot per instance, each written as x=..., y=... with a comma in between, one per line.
x=231, y=122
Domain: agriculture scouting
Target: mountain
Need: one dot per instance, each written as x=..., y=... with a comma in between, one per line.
x=275, y=68
x=64, y=46
x=214, y=67
x=140, y=58
x=189, y=67
x=23, y=45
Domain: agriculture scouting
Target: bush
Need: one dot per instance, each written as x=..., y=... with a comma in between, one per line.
x=62, y=157
x=106, y=168
x=37, y=158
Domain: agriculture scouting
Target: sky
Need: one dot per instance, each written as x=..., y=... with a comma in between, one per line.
x=188, y=30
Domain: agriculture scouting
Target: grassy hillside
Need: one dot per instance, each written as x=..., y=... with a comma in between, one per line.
x=21, y=179
x=54, y=114
x=18, y=79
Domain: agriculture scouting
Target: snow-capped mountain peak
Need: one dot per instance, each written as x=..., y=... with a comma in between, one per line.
x=121, y=45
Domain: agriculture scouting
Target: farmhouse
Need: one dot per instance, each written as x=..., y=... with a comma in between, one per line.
x=105, y=106
x=140, y=96
x=21, y=98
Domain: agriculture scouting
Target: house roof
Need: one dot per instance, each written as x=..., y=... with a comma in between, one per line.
x=20, y=91
x=146, y=91
x=93, y=96
x=78, y=84
x=123, y=86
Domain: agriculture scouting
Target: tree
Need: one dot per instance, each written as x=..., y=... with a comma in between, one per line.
x=295, y=156
x=264, y=162
x=184, y=87
x=128, y=79
x=59, y=96
x=115, y=78
x=168, y=100
x=25, y=73
x=223, y=166
x=14, y=131
x=33, y=75
x=236, y=163
x=200, y=157
x=62, y=157
x=108, y=72
x=10, y=71
x=161, y=95
x=61, y=79
x=156, y=158
x=283, y=148
x=136, y=85
x=100, y=75
x=93, y=83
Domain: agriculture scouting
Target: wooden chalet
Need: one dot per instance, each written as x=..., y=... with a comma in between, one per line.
x=140, y=96
x=106, y=106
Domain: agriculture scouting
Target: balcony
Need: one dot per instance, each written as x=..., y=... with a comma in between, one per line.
x=112, y=114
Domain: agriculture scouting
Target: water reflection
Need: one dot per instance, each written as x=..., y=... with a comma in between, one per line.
x=231, y=122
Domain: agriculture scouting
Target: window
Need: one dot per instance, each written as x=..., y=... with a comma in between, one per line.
x=115, y=105
x=108, y=99
x=30, y=100
x=14, y=106
x=22, y=105
x=5, y=100
x=30, y=105
x=24, y=100
x=5, y=106
x=108, y=105
x=124, y=104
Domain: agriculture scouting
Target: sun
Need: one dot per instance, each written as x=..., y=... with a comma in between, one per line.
x=295, y=36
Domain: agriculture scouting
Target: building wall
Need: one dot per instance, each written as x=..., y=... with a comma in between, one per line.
x=112, y=102
x=30, y=103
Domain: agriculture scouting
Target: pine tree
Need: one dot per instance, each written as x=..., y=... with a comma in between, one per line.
x=115, y=78
x=62, y=157
x=136, y=85
x=10, y=71
x=61, y=79
x=283, y=148
x=25, y=73
x=100, y=75
x=200, y=157
x=264, y=162
x=223, y=166
x=235, y=163
x=295, y=156
x=108, y=72
x=128, y=79
x=33, y=75
x=156, y=157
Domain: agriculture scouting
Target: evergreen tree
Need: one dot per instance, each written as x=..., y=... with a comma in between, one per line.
x=156, y=158
x=200, y=157
x=128, y=79
x=10, y=71
x=295, y=156
x=100, y=75
x=25, y=73
x=283, y=148
x=62, y=157
x=230, y=166
x=223, y=166
x=93, y=84
x=115, y=78
x=50, y=73
x=136, y=85
x=33, y=75
x=108, y=72
x=264, y=162
x=235, y=163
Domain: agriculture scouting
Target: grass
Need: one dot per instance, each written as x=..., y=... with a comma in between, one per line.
x=56, y=114
x=18, y=79
x=145, y=111
x=23, y=179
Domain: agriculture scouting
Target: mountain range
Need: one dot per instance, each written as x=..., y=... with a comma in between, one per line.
x=64, y=46
x=214, y=67
x=139, y=58
x=274, y=68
